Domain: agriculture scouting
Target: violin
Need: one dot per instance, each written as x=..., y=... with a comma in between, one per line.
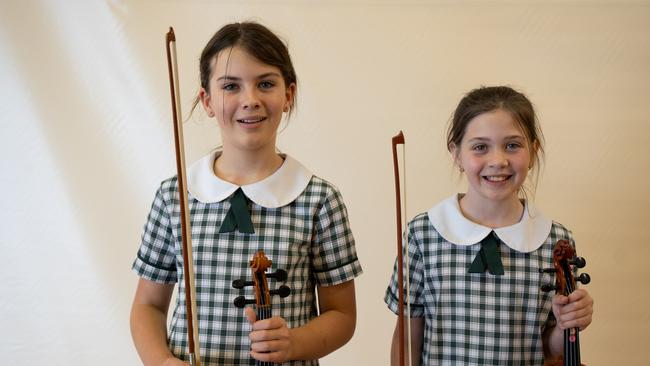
x=564, y=262
x=259, y=264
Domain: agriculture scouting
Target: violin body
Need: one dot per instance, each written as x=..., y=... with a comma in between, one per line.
x=564, y=262
x=558, y=362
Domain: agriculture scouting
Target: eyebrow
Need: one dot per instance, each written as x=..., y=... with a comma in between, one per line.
x=261, y=76
x=511, y=137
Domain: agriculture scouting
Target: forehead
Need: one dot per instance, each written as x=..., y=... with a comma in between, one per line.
x=237, y=62
x=496, y=124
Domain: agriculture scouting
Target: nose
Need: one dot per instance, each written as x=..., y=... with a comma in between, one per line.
x=498, y=159
x=250, y=100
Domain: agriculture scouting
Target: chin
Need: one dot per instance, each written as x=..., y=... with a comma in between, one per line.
x=253, y=145
x=501, y=195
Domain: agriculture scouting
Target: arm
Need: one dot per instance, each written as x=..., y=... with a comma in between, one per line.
x=149, y=323
x=417, y=337
x=272, y=340
x=573, y=311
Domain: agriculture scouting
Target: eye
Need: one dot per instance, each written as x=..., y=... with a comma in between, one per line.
x=229, y=86
x=513, y=146
x=266, y=84
x=479, y=147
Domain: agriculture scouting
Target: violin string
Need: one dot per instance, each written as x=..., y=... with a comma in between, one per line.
x=567, y=332
x=263, y=312
x=567, y=349
x=571, y=335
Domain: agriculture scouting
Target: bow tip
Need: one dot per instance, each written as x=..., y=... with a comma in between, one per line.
x=399, y=138
x=171, y=37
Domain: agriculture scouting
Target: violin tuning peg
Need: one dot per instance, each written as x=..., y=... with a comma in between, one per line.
x=241, y=283
x=547, y=270
x=578, y=262
x=279, y=275
x=584, y=278
x=283, y=291
x=548, y=287
x=240, y=301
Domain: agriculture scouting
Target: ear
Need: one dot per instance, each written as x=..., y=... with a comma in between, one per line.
x=205, y=98
x=453, y=149
x=455, y=154
x=533, y=153
x=289, y=96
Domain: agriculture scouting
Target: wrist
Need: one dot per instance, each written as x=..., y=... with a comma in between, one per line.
x=555, y=342
x=291, y=353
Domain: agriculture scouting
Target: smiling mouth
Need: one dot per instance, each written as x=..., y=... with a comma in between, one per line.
x=497, y=178
x=250, y=121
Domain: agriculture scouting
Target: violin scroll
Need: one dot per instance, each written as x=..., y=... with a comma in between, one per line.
x=259, y=264
x=563, y=259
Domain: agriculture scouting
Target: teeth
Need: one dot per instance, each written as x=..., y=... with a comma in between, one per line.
x=496, y=178
x=251, y=120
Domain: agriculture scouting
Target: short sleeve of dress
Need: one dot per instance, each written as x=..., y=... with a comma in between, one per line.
x=415, y=276
x=156, y=260
x=334, y=256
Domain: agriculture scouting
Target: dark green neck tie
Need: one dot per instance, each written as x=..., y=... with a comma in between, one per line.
x=488, y=257
x=238, y=217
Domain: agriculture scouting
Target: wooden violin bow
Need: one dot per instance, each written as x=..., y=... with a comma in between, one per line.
x=401, y=322
x=188, y=261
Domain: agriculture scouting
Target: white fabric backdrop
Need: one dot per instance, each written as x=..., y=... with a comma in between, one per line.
x=86, y=137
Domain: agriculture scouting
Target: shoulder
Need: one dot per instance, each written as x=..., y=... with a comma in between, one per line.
x=324, y=200
x=322, y=189
x=169, y=184
x=421, y=229
x=168, y=188
x=166, y=194
x=321, y=184
x=560, y=232
x=420, y=222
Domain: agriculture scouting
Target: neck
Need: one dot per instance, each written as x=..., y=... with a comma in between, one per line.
x=493, y=214
x=243, y=167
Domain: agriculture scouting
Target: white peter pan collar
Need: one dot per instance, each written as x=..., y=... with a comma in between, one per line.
x=525, y=236
x=277, y=190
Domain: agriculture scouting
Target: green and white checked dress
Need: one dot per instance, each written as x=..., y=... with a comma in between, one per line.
x=479, y=318
x=300, y=222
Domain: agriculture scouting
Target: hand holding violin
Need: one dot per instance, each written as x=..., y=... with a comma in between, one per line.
x=270, y=338
x=573, y=311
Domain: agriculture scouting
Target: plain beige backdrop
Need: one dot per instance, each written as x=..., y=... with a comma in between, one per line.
x=86, y=138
